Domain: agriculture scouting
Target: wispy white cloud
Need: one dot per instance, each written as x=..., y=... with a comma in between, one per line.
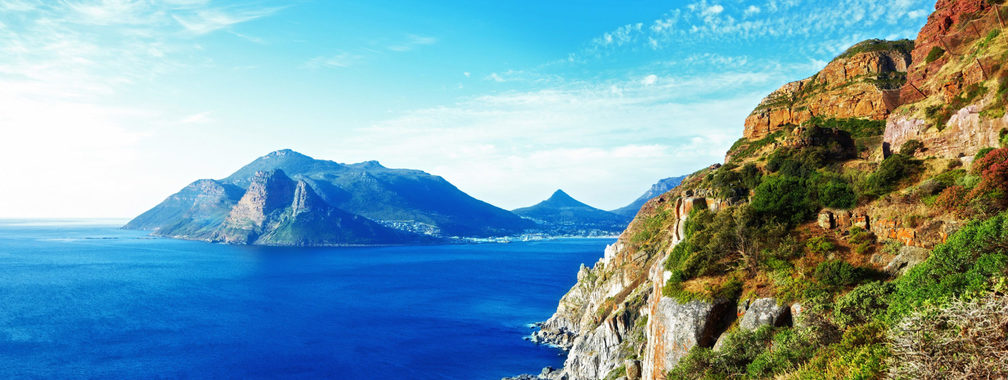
x=339, y=60
x=793, y=22
x=197, y=118
x=411, y=42
x=65, y=69
x=207, y=20
x=518, y=145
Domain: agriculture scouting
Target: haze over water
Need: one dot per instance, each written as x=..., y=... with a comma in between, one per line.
x=83, y=300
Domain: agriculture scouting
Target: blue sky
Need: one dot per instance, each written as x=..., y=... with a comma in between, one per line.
x=106, y=107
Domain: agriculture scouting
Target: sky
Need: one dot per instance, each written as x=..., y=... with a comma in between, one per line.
x=107, y=107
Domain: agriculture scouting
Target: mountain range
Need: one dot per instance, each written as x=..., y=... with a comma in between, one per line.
x=288, y=198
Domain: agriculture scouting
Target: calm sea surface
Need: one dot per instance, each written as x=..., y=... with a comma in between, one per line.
x=86, y=300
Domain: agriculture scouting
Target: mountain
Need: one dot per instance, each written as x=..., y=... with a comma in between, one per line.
x=287, y=198
x=863, y=82
x=195, y=212
x=863, y=214
x=563, y=215
x=276, y=210
x=663, y=186
x=410, y=200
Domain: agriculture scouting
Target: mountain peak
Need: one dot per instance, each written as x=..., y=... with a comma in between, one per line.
x=560, y=192
x=368, y=165
x=563, y=214
x=285, y=154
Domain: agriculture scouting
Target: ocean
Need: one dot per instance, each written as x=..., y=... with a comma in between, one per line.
x=85, y=299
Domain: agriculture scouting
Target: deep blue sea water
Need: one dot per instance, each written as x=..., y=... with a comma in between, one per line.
x=80, y=300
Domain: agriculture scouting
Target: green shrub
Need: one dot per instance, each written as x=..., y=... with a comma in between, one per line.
x=893, y=169
x=652, y=228
x=783, y=199
x=837, y=194
x=788, y=349
x=819, y=245
x=857, y=128
x=751, y=176
x=744, y=148
x=911, y=147
x=969, y=263
x=938, y=115
x=904, y=45
x=935, y=53
x=838, y=273
x=862, y=304
x=981, y=153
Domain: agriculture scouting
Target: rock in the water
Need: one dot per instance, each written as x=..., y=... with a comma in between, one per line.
x=907, y=258
x=763, y=312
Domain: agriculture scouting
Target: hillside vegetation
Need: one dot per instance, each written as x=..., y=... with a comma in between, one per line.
x=858, y=230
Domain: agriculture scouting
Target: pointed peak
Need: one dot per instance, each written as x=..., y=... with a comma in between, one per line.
x=560, y=195
x=562, y=199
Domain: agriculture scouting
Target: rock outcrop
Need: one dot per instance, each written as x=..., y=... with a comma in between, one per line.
x=950, y=101
x=925, y=235
x=673, y=327
x=763, y=312
x=945, y=29
x=276, y=210
x=962, y=136
x=862, y=83
x=600, y=321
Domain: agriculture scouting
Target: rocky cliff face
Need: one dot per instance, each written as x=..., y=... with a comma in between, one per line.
x=276, y=210
x=615, y=316
x=953, y=99
x=862, y=83
x=268, y=192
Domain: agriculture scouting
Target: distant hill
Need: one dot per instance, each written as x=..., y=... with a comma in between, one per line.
x=563, y=215
x=410, y=200
x=350, y=198
x=663, y=186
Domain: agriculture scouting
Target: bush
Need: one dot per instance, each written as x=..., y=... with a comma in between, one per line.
x=837, y=194
x=862, y=304
x=751, y=176
x=783, y=199
x=740, y=348
x=819, y=245
x=935, y=53
x=857, y=128
x=889, y=174
x=968, y=339
x=969, y=263
x=861, y=354
x=838, y=273
x=952, y=200
x=788, y=349
x=911, y=147
x=711, y=243
x=991, y=193
x=981, y=153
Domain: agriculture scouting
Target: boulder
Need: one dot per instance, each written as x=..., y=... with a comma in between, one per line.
x=633, y=369
x=763, y=312
x=826, y=220
x=907, y=258
x=675, y=328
